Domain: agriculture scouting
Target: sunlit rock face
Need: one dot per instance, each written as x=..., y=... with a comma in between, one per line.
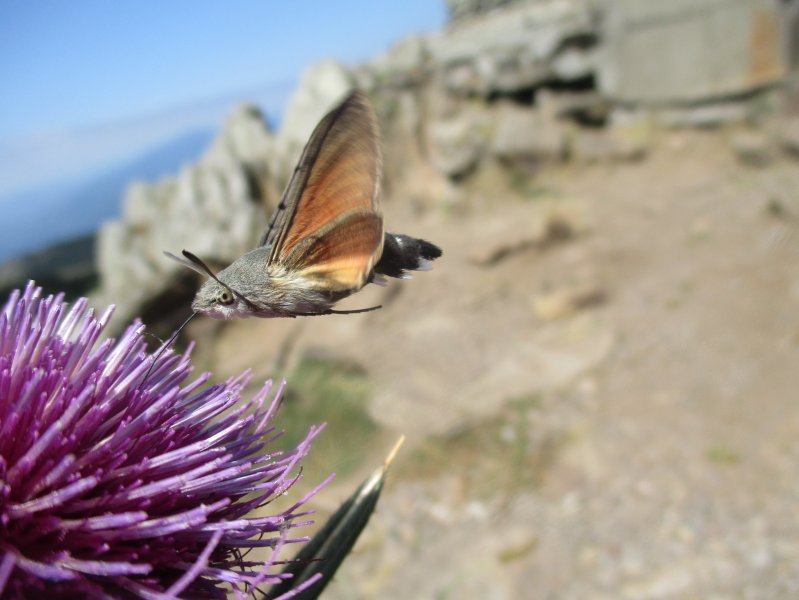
x=216, y=208
x=508, y=85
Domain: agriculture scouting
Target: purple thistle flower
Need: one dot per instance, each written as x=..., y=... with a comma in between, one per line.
x=115, y=485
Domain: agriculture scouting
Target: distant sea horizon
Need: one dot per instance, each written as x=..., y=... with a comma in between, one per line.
x=40, y=215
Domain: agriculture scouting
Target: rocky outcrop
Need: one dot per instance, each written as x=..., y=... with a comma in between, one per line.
x=547, y=80
x=633, y=52
x=508, y=84
x=689, y=51
x=512, y=48
x=466, y=9
x=528, y=135
x=214, y=208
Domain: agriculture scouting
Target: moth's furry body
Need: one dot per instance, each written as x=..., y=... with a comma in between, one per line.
x=269, y=290
x=325, y=240
x=274, y=291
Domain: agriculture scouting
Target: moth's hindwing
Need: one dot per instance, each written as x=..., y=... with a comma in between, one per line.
x=340, y=256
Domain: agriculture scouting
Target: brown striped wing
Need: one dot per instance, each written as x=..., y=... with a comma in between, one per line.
x=332, y=226
x=341, y=255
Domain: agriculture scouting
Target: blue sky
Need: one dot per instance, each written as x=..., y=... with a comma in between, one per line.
x=88, y=82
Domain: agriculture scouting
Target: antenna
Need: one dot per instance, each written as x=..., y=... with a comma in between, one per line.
x=196, y=264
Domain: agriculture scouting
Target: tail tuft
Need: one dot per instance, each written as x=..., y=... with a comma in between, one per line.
x=403, y=253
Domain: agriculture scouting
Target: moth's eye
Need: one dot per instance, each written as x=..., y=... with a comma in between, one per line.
x=225, y=298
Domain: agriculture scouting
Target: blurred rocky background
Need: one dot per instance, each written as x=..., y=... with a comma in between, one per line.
x=597, y=378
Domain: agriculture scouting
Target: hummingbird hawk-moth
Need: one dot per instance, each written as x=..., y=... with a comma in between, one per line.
x=325, y=239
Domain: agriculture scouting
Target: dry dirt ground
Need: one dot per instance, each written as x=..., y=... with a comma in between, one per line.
x=598, y=382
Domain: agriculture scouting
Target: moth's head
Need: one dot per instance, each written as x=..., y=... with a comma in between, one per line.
x=216, y=298
x=220, y=302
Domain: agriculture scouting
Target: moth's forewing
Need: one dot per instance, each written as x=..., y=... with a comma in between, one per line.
x=340, y=256
x=335, y=186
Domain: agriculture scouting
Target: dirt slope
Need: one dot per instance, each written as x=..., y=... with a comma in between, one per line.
x=599, y=382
